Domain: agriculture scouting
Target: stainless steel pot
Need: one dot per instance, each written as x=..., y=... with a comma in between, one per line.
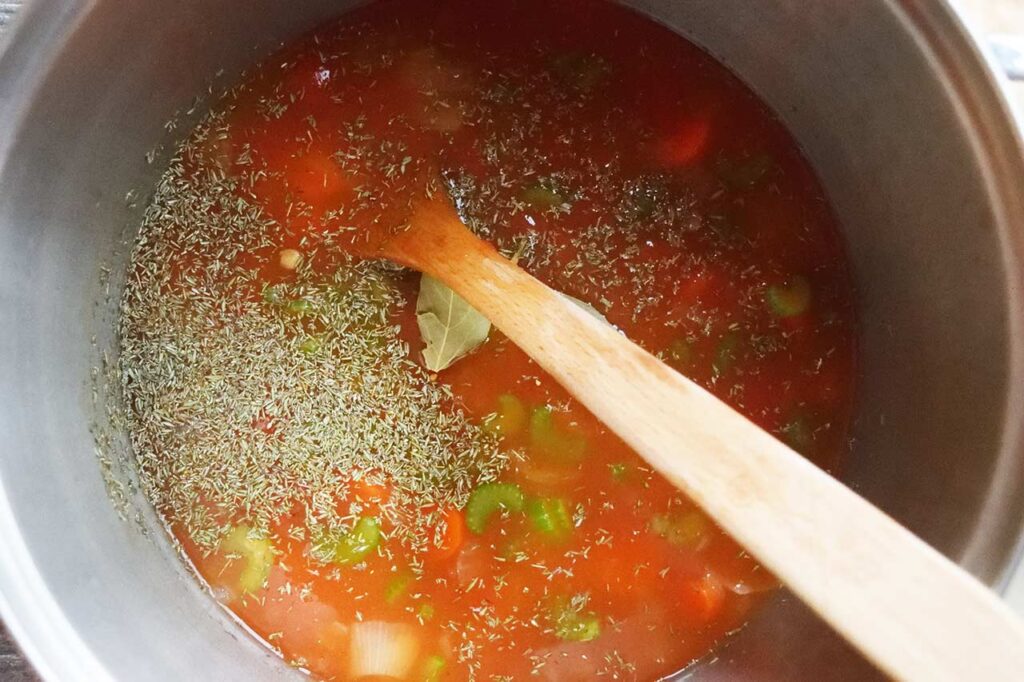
x=892, y=102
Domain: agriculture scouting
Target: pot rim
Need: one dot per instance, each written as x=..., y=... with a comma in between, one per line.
x=981, y=90
x=28, y=49
x=975, y=83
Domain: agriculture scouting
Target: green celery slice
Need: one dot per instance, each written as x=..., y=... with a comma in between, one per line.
x=571, y=623
x=550, y=516
x=256, y=551
x=790, y=299
x=554, y=442
x=353, y=546
x=488, y=499
x=509, y=419
x=687, y=530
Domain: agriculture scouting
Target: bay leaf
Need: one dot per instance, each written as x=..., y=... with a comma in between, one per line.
x=450, y=327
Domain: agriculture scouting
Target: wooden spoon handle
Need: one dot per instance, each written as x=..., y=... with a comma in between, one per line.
x=914, y=613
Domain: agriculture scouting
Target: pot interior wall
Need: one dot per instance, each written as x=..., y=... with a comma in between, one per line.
x=85, y=108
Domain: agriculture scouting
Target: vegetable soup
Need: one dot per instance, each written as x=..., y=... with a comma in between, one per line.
x=375, y=480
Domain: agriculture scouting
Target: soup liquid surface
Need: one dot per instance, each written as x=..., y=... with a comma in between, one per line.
x=369, y=517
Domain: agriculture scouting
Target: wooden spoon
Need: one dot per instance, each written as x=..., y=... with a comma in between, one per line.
x=907, y=608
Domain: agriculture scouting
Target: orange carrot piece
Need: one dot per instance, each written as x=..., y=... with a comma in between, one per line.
x=702, y=598
x=370, y=492
x=317, y=180
x=685, y=145
x=453, y=537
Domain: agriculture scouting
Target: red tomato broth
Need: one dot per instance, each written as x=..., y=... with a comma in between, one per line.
x=687, y=202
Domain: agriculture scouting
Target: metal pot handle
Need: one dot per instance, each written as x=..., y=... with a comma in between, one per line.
x=1009, y=52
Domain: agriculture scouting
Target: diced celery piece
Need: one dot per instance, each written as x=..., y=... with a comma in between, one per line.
x=581, y=628
x=299, y=306
x=798, y=435
x=256, y=551
x=570, y=622
x=620, y=471
x=272, y=295
x=379, y=290
x=353, y=546
x=425, y=612
x=790, y=299
x=433, y=668
x=687, y=530
x=509, y=419
x=552, y=441
x=310, y=346
x=542, y=197
x=579, y=70
x=550, y=516
x=488, y=499
x=397, y=588
x=679, y=354
x=745, y=173
x=725, y=353
x=276, y=295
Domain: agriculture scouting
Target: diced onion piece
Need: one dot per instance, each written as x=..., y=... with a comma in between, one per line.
x=289, y=258
x=546, y=474
x=473, y=563
x=382, y=649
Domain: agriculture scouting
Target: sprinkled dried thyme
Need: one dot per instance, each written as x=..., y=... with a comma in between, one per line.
x=264, y=373
x=251, y=402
